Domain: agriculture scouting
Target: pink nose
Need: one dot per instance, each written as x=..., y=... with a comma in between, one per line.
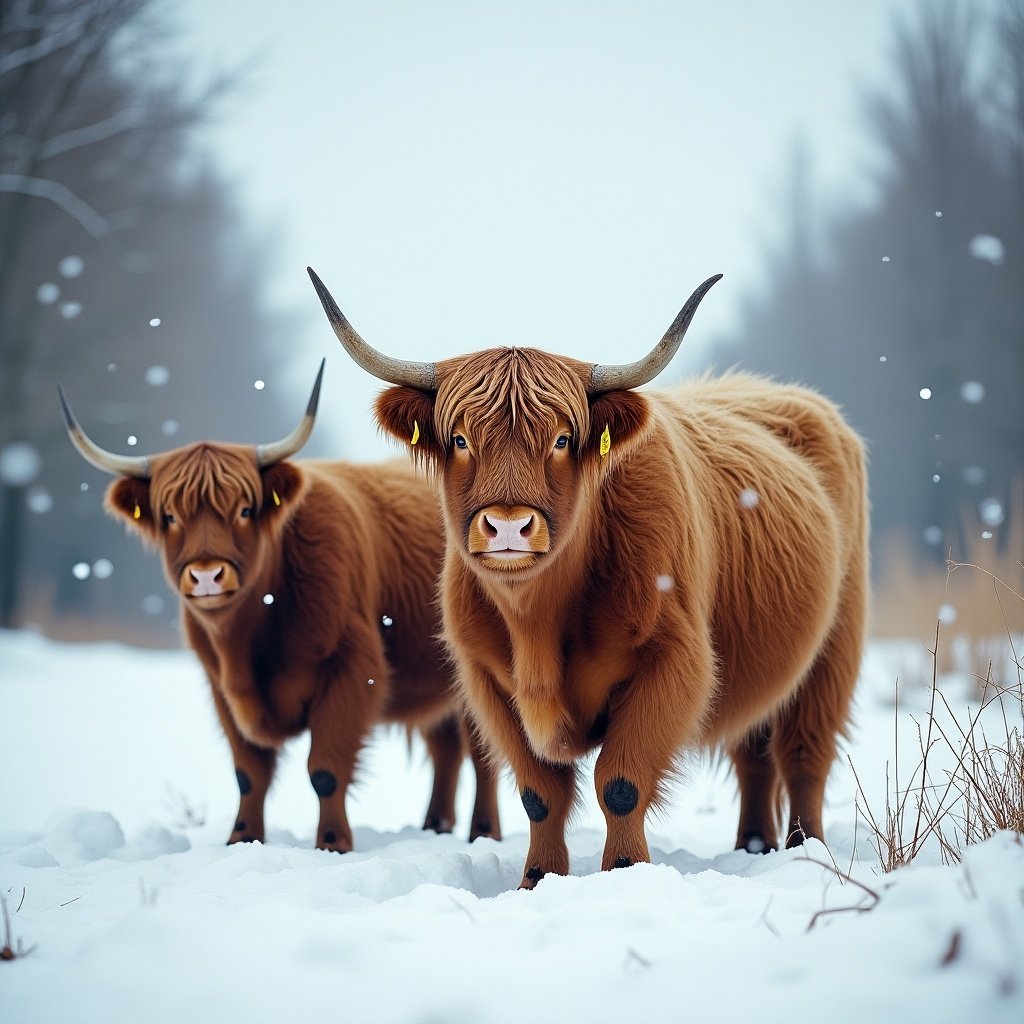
x=208, y=581
x=509, y=534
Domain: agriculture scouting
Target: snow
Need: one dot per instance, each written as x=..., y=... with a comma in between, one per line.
x=118, y=794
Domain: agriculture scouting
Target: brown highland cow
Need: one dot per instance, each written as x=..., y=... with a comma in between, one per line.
x=644, y=572
x=308, y=608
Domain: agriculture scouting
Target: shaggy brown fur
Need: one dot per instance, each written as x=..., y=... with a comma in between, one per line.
x=349, y=555
x=703, y=584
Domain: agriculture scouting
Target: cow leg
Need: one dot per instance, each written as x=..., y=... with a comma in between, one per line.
x=444, y=744
x=548, y=790
x=254, y=770
x=805, y=733
x=759, y=785
x=339, y=721
x=486, y=820
x=658, y=712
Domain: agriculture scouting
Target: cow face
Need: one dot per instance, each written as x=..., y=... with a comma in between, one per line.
x=517, y=436
x=516, y=442
x=214, y=510
x=215, y=516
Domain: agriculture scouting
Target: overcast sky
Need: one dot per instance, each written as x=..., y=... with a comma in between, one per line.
x=558, y=174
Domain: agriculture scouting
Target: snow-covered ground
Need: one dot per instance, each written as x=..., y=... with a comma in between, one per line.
x=138, y=911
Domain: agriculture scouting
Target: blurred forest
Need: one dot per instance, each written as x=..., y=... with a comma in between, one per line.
x=910, y=311
x=123, y=265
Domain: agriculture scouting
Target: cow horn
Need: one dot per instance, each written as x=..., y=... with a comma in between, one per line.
x=632, y=375
x=406, y=372
x=269, y=454
x=117, y=465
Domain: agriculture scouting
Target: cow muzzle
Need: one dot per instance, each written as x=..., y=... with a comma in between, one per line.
x=508, y=537
x=208, y=581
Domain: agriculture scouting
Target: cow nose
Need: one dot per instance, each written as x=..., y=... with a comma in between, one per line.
x=208, y=578
x=508, y=528
x=507, y=533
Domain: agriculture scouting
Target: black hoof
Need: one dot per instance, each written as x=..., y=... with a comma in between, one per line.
x=435, y=824
x=755, y=843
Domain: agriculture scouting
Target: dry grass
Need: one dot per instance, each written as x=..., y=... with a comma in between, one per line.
x=9, y=948
x=976, y=596
x=977, y=789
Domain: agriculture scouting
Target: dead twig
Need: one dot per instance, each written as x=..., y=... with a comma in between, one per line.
x=9, y=951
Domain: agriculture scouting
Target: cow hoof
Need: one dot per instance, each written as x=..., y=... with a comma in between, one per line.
x=440, y=825
x=755, y=843
x=530, y=878
x=483, y=829
x=333, y=843
x=622, y=862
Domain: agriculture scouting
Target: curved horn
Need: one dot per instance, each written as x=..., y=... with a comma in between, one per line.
x=117, y=465
x=395, y=371
x=268, y=454
x=632, y=375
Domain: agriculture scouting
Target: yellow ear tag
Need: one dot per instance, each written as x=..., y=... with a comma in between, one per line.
x=138, y=511
x=606, y=441
x=415, y=431
x=277, y=500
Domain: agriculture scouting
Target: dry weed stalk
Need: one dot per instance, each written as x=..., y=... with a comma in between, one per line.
x=7, y=950
x=982, y=793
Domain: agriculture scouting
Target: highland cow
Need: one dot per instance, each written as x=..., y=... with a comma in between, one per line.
x=307, y=607
x=647, y=572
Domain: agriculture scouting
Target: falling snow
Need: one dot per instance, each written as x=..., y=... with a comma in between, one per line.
x=386, y=620
x=973, y=392
x=81, y=570
x=749, y=498
x=157, y=376
x=268, y=598
x=20, y=463
x=69, y=310
x=71, y=266
x=925, y=393
x=987, y=248
x=48, y=293
x=991, y=512
x=39, y=500
x=664, y=582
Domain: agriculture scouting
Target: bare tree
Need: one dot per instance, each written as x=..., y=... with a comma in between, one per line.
x=918, y=310
x=107, y=215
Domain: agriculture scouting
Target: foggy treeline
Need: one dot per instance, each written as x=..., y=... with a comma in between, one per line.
x=910, y=312
x=125, y=274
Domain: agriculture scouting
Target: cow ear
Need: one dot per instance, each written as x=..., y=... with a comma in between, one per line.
x=128, y=499
x=283, y=485
x=408, y=415
x=617, y=420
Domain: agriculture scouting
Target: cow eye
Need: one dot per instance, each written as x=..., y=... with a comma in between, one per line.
x=460, y=441
x=562, y=442
x=247, y=512
x=168, y=519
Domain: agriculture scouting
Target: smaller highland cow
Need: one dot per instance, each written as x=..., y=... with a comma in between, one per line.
x=307, y=607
